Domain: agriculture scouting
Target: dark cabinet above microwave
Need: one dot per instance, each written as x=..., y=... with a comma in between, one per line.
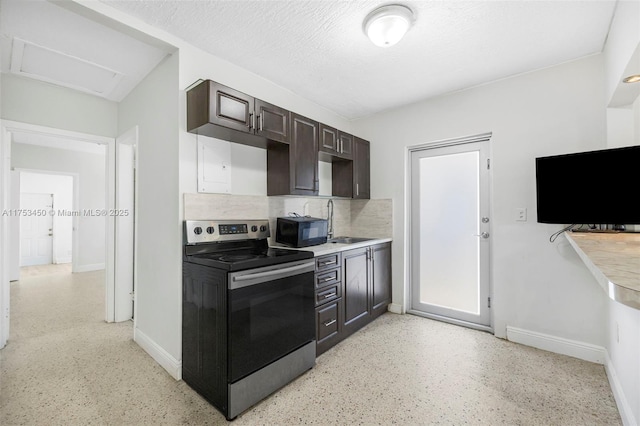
x=221, y=112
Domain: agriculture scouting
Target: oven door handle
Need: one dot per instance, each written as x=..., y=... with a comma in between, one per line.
x=259, y=277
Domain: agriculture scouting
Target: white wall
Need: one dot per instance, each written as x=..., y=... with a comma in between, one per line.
x=537, y=285
x=90, y=169
x=622, y=40
x=623, y=342
x=153, y=107
x=35, y=102
x=61, y=186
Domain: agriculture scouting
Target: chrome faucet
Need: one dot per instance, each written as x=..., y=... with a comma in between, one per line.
x=330, y=217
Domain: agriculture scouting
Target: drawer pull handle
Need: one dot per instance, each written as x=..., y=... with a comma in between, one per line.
x=328, y=323
x=326, y=296
x=331, y=262
x=328, y=279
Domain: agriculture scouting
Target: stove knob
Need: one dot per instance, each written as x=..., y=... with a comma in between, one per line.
x=197, y=230
x=263, y=228
x=254, y=228
x=211, y=230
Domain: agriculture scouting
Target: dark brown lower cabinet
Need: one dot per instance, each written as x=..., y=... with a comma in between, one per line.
x=357, y=291
x=362, y=295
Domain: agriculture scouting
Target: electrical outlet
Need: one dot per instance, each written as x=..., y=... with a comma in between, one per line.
x=521, y=214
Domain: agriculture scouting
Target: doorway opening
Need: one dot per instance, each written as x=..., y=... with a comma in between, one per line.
x=95, y=212
x=449, y=231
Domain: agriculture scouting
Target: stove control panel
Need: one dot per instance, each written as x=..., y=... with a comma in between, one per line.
x=206, y=231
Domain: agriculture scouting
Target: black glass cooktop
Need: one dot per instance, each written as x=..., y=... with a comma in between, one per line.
x=244, y=258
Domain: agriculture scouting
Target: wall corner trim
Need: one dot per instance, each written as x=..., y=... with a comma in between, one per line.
x=161, y=356
x=559, y=345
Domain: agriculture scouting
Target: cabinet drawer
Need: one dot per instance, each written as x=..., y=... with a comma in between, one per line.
x=327, y=262
x=327, y=322
x=328, y=294
x=330, y=277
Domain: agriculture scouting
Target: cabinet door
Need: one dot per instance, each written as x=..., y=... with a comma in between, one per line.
x=361, y=174
x=231, y=108
x=328, y=139
x=272, y=122
x=380, y=278
x=355, y=267
x=304, y=155
x=345, y=145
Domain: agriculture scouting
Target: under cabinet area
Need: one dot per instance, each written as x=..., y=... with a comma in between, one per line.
x=353, y=287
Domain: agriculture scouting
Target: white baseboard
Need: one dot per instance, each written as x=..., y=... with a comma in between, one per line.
x=626, y=414
x=90, y=267
x=395, y=308
x=60, y=260
x=559, y=345
x=162, y=357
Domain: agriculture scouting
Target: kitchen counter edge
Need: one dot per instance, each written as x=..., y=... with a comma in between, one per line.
x=613, y=261
x=329, y=248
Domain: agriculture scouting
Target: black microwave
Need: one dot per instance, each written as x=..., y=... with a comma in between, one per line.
x=301, y=231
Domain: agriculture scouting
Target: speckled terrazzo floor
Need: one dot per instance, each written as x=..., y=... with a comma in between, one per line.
x=65, y=366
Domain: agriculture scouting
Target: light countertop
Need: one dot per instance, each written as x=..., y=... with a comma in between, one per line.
x=328, y=248
x=614, y=260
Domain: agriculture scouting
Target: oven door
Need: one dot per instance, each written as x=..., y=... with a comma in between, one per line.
x=271, y=313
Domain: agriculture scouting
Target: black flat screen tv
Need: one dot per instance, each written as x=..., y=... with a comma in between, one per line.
x=595, y=187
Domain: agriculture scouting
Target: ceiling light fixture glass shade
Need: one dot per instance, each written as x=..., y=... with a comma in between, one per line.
x=386, y=25
x=632, y=79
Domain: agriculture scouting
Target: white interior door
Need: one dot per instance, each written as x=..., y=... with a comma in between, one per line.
x=36, y=229
x=124, y=227
x=450, y=233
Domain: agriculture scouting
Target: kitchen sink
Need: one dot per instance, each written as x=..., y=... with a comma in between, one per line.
x=349, y=240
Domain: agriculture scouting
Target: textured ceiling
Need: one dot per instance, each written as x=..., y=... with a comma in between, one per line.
x=47, y=25
x=318, y=50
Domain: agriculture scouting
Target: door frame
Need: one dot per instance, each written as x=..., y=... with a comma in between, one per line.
x=74, y=220
x=7, y=127
x=443, y=143
x=130, y=138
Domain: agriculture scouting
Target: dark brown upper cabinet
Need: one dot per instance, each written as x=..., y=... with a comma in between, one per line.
x=293, y=169
x=351, y=178
x=273, y=122
x=222, y=112
x=334, y=143
x=361, y=169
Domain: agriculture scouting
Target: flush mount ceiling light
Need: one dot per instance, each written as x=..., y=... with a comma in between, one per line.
x=632, y=79
x=386, y=25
